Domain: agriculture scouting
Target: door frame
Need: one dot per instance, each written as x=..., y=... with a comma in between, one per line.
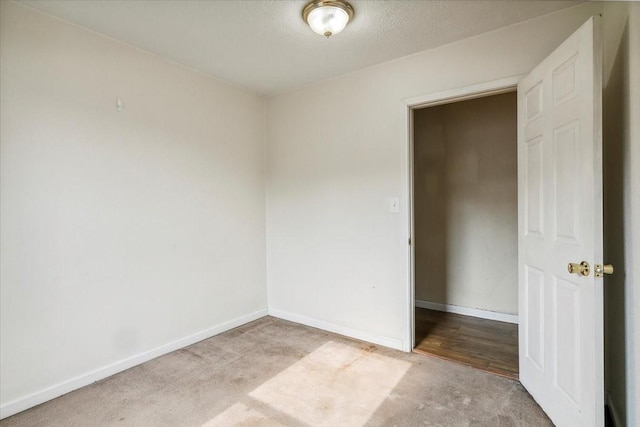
x=494, y=87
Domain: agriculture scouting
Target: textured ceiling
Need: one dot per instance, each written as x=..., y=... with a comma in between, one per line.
x=264, y=46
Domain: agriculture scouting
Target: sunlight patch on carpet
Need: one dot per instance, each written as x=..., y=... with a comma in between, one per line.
x=337, y=384
x=242, y=415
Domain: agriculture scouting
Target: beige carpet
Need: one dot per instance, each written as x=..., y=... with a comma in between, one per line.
x=277, y=373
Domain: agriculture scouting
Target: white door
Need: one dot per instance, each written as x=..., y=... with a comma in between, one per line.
x=560, y=222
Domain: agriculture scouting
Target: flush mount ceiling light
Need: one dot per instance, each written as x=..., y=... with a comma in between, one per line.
x=327, y=17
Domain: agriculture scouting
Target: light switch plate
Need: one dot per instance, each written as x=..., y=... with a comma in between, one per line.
x=394, y=205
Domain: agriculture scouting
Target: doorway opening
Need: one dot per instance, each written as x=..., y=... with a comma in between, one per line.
x=465, y=230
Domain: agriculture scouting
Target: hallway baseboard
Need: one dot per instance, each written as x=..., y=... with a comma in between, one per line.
x=466, y=311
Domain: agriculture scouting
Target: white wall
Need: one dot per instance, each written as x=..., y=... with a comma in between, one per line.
x=123, y=234
x=621, y=209
x=466, y=203
x=337, y=151
x=632, y=218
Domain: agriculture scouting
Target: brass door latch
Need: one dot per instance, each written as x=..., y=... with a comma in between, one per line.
x=600, y=270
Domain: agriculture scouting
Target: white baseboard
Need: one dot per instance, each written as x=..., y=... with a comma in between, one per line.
x=338, y=329
x=614, y=412
x=475, y=312
x=19, y=405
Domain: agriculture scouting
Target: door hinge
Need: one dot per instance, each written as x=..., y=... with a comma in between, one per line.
x=409, y=240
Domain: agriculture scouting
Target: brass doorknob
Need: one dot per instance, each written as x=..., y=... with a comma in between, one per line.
x=581, y=269
x=600, y=270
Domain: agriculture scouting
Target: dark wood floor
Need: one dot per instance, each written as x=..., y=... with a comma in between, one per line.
x=484, y=344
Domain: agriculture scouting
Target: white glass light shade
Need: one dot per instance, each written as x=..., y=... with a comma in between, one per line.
x=328, y=20
x=328, y=17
